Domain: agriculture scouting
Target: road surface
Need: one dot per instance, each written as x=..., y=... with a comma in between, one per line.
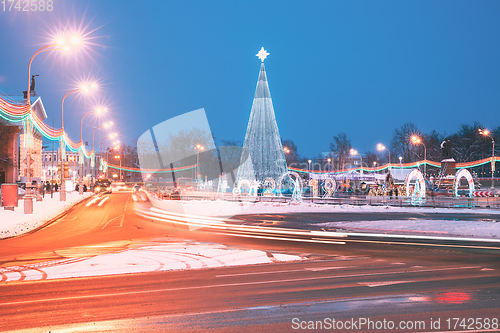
x=392, y=283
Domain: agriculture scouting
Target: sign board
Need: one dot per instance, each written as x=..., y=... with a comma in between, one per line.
x=9, y=195
x=70, y=186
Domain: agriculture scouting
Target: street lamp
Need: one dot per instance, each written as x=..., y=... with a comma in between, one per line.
x=115, y=147
x=355, y=152
x=381, y=147
x=108, y=124
x=111, y=136
x=84, y=88
x=82, y=161
x=400, y=162
x=329, y=166
x=417, y=140
x=309, y=162
x=487, y=133
x=119, y=158
x=374, y=166
x=28, y=199
x=198, y=149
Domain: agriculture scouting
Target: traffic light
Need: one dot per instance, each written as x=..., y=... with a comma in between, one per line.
x=66, y=169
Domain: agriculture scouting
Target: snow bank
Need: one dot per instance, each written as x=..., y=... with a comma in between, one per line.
x=447, y=228
x=14, y=223
x=231, y=208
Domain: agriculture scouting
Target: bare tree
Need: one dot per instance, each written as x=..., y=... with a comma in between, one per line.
x=341, y=146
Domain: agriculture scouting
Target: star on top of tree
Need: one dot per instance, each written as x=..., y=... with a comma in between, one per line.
x=262, y=54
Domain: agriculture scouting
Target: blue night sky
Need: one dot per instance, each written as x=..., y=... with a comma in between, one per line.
x=359, y=67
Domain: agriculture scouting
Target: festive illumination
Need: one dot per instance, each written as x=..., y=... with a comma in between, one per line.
x=266, y=158
x=269, y=187
x=329, y=186
x=297, y=184
x=262, y=54
x=419, y=188
x=314, y=184
x=463, y=173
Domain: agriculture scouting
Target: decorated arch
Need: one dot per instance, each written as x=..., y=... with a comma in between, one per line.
x=419, y=190
x=463, y=173
x=297, y=184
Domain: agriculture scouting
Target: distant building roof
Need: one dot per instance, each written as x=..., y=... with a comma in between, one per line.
x=36, y=104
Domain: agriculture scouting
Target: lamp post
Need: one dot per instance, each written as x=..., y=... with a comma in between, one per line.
x=28, y=199
x=417, y=140
x=329, y=166
x=111, y=136
x=82, y=161
x=116, y=147
x=93, y=152
x=381, y=147
x=120, y=158
x=374, y=166
x=198, y=149
x=355, y=152
x=309, y=162
x=84, y=88
x=487, y=133
x=400, y=162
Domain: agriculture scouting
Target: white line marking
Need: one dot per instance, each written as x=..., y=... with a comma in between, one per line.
x=226, y=285
x=103, y=201
x=286, y=271
x=383, y=283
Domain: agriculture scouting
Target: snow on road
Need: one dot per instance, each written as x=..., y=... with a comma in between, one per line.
x=14, y=223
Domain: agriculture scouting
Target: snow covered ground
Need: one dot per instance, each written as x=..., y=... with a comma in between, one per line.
x=487, y=229
x=231, y=208
x=443, y=228
x=13, y=223
x=149, y=256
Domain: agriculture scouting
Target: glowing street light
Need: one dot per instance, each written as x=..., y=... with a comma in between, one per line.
x=59, y=44
x=381, y=147
x=487, y=133
x=198, y=149
x=119, y=158
x=417, y=140
x=355, y=152
x=106, y=125
x=85, y=88
x=28, y=199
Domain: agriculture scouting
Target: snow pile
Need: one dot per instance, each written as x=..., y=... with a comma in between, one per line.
x=232, y=208
x=474, y=229
x=14, y=223
x=163, y=255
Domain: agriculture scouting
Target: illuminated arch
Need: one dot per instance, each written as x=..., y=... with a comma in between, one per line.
x=463, y=173
x=420, y=178
x=297, y=191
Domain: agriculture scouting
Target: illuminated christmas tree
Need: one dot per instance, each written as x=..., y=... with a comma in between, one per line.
x=262, y=140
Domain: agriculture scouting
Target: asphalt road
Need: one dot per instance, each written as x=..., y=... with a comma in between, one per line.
x=413, y=285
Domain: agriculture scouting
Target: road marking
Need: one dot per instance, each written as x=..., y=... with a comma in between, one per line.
x=103, y=201
x=236, y=284
x=91, y=202
x=114, y=218
x=286, y=271
x=384, y=283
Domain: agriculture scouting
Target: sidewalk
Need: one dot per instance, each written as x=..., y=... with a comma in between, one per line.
x=15, y=223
